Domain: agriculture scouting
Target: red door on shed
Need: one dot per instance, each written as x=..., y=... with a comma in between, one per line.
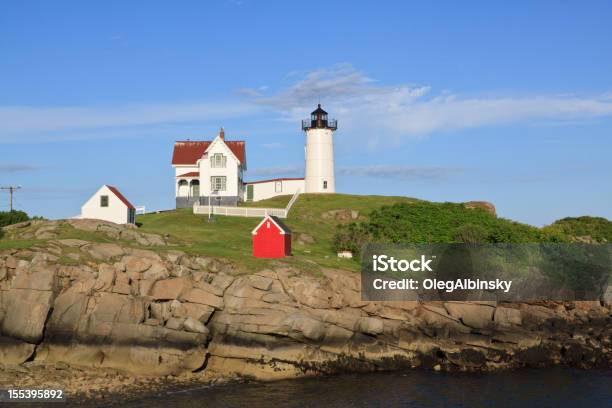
x=271, y=239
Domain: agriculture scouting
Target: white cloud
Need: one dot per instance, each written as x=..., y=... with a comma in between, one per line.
x=367, y=109
x=56, y=192
x=400, y=172
x=57, y=123
x=381, y=112
x=277, y=171
x=18, y=168
x=375, y=171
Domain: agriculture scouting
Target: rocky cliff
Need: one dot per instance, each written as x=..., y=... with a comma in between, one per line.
x=159, y=311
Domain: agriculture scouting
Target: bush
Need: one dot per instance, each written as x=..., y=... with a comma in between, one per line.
x=12, y=217
x=471, y=234
x=598, y=229
x=425, y=222
x=350, y=237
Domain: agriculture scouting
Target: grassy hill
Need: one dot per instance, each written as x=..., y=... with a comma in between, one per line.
x=335, y=221
x=322, y=224
x=426, y=222
x=582, y=228
x=230, y=237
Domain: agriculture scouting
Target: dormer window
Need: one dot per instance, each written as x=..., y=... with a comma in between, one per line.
x=218, y=160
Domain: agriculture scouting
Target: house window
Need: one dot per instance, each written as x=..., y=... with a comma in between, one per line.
x=325, y=185
x=218, y=160
x=278, y=187
x=104, y=201
x=217, y=183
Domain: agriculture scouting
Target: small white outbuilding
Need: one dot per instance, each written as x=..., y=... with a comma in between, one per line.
x=109, y=204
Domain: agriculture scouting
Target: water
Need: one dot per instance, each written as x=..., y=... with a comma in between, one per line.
x=521, y=388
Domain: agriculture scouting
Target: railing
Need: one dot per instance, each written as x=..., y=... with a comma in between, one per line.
x=293, y=199
x=322, y=124
x=246, y=211
x=240, y=211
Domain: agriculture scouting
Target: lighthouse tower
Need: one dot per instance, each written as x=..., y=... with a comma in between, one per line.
x=319, y=152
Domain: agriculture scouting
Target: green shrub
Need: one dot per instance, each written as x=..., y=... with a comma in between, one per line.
x=425, y=222
x=471, y=234
x=12, y=217
x=597, y=229
x=350, y=237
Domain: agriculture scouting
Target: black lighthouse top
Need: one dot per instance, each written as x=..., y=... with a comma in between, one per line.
x=318, y=120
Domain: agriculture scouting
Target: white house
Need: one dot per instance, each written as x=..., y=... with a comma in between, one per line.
x=213, y=170
x=209, y=168
x=110, y=205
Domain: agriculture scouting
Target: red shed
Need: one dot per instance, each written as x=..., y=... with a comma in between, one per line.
x=271, y=238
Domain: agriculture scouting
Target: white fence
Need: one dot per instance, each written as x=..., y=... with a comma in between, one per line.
x=246, y=211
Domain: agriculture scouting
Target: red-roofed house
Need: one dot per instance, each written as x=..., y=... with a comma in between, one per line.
x=110, y=205
x=212, y=167
x=205, y=169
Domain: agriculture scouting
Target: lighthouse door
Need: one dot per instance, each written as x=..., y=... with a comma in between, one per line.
x=249, y=192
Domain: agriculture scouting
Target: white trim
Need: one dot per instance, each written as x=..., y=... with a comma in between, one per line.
x=216, y=140
x=119, y=198
x=267, y=217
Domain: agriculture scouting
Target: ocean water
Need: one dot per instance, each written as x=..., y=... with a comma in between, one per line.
x=556, y=387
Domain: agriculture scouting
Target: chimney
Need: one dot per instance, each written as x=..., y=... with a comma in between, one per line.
x=222, y=133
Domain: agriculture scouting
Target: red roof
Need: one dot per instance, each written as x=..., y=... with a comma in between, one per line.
x=189, y=152
x=120, y=196
x=282, y=228
x=275, y=179
x=190, y=174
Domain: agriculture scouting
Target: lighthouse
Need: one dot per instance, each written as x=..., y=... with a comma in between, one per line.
x=319, y=152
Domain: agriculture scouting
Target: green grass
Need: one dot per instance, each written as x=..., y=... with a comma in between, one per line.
x=410, y=220
x=227, y=237
x=230, y=237
x=18, y=244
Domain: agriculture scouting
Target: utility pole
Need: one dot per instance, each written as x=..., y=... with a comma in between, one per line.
x=11, y=190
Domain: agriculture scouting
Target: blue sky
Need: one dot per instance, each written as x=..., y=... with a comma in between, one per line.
x=447, y=101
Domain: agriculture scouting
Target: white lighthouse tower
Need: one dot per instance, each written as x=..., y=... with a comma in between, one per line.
x=319, y=152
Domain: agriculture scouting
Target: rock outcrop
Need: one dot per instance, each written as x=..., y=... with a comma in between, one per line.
x=162, y=311
x=483, y=205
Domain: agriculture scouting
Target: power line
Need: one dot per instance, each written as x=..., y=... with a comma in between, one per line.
x=11, y=190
